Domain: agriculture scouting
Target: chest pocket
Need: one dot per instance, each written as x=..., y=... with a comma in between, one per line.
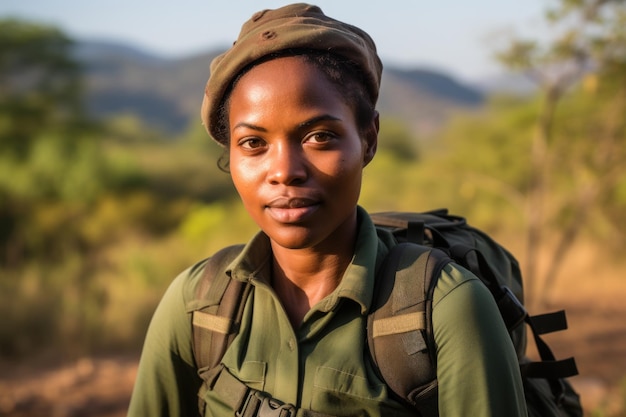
x=338, y=392
x=252, y=373
x=334, y=384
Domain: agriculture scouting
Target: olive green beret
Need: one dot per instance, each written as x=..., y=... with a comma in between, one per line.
x=289, y=27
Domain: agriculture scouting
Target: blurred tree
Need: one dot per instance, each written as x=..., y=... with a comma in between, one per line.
x=39, y=85
x=488, y=154
x=83, y=207
x=48, y=150
x=589, y=44
x=396, y=138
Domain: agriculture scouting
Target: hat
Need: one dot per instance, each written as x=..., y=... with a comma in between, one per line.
x=289, y=27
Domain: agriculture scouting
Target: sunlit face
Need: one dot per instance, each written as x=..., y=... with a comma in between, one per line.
x=296, y=156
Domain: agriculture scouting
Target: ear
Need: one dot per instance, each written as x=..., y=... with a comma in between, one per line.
x=370, y=140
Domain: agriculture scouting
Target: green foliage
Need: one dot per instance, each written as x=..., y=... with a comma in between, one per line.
x=52, y=170
x=48, y=152
x=396, y=138
x=128, y=128
x=39, y=85
x=493, y=145
x=576, y=148
x=213, y=226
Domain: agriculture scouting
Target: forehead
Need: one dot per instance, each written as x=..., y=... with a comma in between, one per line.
x=291, y=68
x=284, y=78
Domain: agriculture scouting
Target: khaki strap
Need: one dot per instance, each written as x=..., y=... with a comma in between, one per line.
x=399, y=324
x=212, y=322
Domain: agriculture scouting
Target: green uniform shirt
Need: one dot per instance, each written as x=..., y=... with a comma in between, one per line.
x=323, y=365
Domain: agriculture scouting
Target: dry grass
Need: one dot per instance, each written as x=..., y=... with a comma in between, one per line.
x=591, y=287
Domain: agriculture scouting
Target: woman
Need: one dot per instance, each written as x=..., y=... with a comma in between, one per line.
x=293, y=103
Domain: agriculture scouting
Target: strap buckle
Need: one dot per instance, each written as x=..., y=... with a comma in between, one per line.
x=258, y=404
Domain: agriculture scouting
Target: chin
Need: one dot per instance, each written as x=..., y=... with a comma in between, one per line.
x=296, y=238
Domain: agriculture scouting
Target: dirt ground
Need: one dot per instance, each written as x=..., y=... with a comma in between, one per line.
x=101, y=386
x=90, y=387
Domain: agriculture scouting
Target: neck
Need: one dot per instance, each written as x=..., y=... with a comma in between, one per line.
x=302, y=280
x=303, y=277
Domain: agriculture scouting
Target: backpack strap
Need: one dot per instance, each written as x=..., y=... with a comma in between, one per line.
x=220, y=302
x=511, y=309
x=216, y=322
x=549, y=368
x=399, y=330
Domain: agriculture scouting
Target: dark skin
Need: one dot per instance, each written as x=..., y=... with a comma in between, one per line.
x=297, y=159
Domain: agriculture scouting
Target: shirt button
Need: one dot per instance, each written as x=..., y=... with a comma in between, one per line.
x=291, y=344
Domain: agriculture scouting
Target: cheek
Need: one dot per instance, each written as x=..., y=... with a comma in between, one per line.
x=352, y=161
x=345, y=173
x=243, y=175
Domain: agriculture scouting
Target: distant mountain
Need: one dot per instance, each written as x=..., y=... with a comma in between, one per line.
x=166, y=93
x=511, y=83
x=425, y=99
x=100, y=50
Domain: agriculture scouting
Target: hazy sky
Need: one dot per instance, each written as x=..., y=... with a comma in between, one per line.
x=457, y=36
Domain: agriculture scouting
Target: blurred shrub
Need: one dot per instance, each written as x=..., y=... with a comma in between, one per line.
x=396, y=139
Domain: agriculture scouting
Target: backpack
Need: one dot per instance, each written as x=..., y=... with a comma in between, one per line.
x=400, y=337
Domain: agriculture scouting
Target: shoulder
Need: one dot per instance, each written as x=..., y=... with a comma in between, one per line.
x=170, y=322
x=473, y=344
x=464, y=309
x=456, y=279
x=189, y=283
x=462, y=303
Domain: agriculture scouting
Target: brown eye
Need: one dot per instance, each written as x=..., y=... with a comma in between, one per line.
x=251, y=143
x=320, y=137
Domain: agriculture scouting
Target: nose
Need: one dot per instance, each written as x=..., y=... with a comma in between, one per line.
x=287, y=164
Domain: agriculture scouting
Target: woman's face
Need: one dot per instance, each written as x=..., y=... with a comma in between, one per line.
x=296, y=156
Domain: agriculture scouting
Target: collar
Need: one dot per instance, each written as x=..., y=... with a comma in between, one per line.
x=357, y=283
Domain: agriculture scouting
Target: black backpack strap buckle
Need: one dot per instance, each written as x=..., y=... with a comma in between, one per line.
x=258, y=404
x=249, y=402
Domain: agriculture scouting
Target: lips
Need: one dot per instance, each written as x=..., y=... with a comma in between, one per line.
x=292, y=209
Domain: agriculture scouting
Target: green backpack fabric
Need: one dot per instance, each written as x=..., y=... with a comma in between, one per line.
x=400, y=336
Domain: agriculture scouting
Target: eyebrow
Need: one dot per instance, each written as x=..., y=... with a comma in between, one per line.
x=306, y=123
x=249, y=126
x=317, y=119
